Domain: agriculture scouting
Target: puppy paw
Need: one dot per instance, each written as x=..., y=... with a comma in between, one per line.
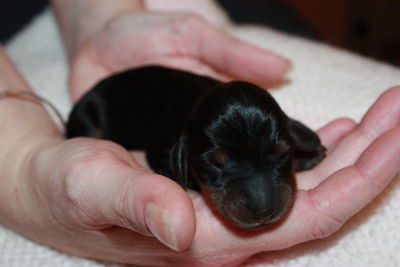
x=305, y=160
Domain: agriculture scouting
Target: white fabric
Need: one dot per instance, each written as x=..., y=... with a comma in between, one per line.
x=325, y=83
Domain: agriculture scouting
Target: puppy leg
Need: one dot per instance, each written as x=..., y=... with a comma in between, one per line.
x=158, y=156
x=170, y=161
x=308, y=151
x=85, y=120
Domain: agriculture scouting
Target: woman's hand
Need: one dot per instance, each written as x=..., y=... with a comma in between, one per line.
x=90, y=198
x=175, y=40
x=101, y=41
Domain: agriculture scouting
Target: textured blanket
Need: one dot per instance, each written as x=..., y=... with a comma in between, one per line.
x=324, y=83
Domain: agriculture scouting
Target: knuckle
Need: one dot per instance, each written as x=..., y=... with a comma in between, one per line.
x=325, y=226
x=123, y=210
x=74, y=185
x=83, y=172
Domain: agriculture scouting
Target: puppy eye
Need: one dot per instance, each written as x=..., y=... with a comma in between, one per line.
x=220, y=157
x=282, y=148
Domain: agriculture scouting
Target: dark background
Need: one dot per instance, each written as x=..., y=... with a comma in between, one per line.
x=369, y=27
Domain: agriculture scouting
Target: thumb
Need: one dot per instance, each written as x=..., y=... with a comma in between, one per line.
x=146, y=203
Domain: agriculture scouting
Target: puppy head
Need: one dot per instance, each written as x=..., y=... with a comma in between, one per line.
x=237, y=146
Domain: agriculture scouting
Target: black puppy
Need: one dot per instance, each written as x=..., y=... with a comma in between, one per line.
x=229, y=140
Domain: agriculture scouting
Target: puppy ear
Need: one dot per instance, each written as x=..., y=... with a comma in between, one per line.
x=308, y=151
x=179, y=163
x=304, y=138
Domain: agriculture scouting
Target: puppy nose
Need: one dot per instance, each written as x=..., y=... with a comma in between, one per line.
x=257, y=205
x=265, y=205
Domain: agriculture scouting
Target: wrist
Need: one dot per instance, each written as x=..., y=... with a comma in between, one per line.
x=24, y=125
x=25, y=129
x=79, y=19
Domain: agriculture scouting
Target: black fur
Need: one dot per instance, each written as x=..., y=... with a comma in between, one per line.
x=230, y=140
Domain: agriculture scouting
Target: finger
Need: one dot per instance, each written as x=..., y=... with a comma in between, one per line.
x=334, y=131
x=381, y=117
x=191, y=65
x=236, y=58
x=113, y=193
x=350, y=189
x=384, y=114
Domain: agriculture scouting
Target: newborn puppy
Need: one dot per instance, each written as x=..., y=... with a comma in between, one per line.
x=230, y=140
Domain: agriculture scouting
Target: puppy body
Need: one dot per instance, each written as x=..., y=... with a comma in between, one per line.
x=135, y=108
x=232, y=140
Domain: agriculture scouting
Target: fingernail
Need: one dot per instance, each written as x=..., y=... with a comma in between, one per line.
x=159, y=222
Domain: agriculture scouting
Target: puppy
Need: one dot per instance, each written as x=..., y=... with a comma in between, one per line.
x=230, y=140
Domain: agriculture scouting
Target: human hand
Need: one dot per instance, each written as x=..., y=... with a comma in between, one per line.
x=88, y=198
x=182, y=41
x=362, y=159
x=210, y=10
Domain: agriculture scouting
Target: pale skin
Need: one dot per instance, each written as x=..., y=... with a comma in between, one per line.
x=91, y=198
x=105, y=42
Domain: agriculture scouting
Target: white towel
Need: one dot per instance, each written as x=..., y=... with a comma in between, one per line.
x=325, y=83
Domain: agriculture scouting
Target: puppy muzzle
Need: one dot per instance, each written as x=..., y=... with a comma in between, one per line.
x=253, y=210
